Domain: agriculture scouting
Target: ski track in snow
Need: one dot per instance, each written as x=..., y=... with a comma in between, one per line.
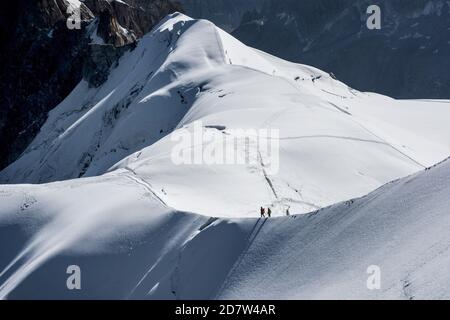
x=135, y=178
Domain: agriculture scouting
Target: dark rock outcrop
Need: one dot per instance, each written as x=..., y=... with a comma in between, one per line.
x=43, y=60
x=99, y=61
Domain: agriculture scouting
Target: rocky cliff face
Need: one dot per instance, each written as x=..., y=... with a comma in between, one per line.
x=53, y=11
x=122, y=22
x=42, y=60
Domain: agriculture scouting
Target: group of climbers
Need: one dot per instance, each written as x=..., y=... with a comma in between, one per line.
x=263, y=212
x=269, y=212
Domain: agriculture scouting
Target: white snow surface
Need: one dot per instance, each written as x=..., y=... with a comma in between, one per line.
x=98, y=188
x=335, y=143
x=131, y=246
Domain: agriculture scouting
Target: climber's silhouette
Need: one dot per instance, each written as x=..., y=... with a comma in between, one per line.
x=263, y=212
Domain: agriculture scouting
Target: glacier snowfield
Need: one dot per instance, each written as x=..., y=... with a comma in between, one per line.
x=98, y=187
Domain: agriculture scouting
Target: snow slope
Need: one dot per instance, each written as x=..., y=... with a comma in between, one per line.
x=113, y=201
x=402, y=228
x=187, y=70
x=130, y=246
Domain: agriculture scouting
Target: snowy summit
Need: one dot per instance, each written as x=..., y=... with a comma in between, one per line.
x=98, y=187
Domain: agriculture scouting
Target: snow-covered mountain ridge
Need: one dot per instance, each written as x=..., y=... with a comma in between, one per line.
x=189, y=70
x=113, y=202
x=130, y=246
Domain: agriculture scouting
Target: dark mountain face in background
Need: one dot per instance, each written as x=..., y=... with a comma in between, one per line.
x=408, y=58
x=42, y=60
x=225, y=13
x=37, y=70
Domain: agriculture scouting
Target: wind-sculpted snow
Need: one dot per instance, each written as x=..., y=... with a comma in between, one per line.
x=130, y=246
x=189, y=70
x=113, y=201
